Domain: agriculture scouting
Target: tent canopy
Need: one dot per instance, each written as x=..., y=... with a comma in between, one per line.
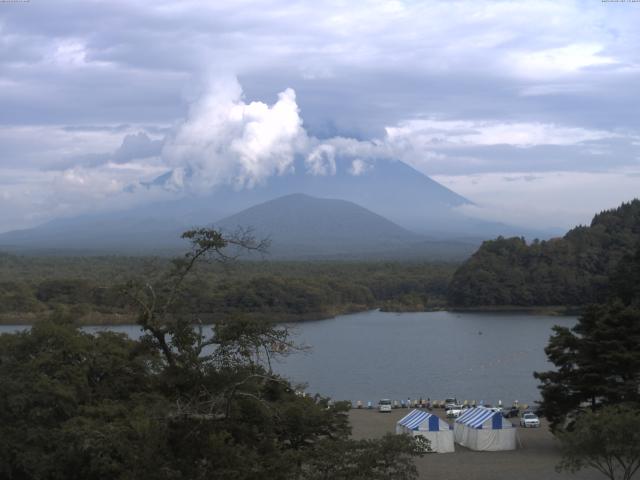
x=425, y=421
x=482, y=418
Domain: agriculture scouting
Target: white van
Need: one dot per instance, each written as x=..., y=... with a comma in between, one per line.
x=384, y=405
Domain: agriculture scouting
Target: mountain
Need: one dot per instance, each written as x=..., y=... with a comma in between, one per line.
x=301, y=226
x=572, y=270
x=119, y=232
x=391, y=189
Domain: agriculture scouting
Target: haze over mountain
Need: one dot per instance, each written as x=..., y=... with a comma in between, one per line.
x=300, y=226
x=392, y=189
x=395, y=194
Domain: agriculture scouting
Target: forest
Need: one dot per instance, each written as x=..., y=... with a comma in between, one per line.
x=573, y=270
x=90, y=288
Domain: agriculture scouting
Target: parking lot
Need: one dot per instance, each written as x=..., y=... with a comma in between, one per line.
x=537, y=455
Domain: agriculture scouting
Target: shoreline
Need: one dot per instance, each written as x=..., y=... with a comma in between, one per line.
x=551, y=310
x=98, y=319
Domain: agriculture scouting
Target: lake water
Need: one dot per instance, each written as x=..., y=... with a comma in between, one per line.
x=371, y=355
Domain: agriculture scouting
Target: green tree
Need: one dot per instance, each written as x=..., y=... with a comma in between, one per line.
x=389, y=457
x=574, y=270
x=74, y=405
x=598, y=360
x=183, y=402
x=607, y=440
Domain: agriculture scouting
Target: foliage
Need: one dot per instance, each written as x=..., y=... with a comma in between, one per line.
x=277, y=291
x=389, y=457
x=573, y=270
x=625, y=281
x=607, y=440
x=598, y=360
x=181, y=403
x=72, y=405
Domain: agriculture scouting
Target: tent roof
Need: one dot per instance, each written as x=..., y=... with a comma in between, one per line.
x=476, y=417
x=415, y=418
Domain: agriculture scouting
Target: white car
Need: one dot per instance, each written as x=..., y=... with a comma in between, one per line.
x=529, y=420
x=384, y=405
x=454, y=411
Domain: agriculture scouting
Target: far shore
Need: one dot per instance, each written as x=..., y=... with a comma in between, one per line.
x=552, y=310
x=127, y=318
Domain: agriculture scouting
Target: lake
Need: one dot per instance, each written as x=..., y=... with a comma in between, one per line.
x=370, y=355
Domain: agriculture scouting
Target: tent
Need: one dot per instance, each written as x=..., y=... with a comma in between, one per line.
x=429, y=426
x=484, y=429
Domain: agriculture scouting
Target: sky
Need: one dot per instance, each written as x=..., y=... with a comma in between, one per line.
x=527, y=108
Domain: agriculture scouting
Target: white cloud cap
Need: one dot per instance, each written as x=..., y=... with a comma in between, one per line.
x=225, y=140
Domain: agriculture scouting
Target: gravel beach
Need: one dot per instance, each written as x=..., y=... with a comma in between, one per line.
x=535, y=459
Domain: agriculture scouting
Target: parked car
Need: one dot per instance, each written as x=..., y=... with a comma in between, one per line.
x=450, y=402
x=529, y=420
x=384, y=405
x=511, y=412
x=454, y=411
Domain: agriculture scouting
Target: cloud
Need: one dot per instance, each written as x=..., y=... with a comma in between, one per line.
x=436, y=146
x=31, y=197
x=549, y=199
x=435, y=133
x=557, y=62
x=322, y=160
x=358, y=167
x=47, y=147
x=136, y=146
x=226, y=140
x=452, y=59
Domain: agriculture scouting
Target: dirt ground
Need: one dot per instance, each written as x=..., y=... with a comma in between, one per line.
x=535, y=459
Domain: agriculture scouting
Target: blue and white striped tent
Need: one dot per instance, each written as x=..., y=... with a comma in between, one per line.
x=484, y=429
x=429, y=426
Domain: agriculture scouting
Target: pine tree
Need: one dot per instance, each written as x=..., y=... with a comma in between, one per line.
x=598, y=360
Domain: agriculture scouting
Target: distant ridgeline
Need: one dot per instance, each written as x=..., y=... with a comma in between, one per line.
x=572, y=270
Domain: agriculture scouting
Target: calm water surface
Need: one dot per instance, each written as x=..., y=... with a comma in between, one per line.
x=481, y=356
x=370, y=355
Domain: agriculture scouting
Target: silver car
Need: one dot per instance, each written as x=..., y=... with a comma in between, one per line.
x=529, y=420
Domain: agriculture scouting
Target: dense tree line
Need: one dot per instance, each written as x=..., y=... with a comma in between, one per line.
x=31, y=288
x=572, y=270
